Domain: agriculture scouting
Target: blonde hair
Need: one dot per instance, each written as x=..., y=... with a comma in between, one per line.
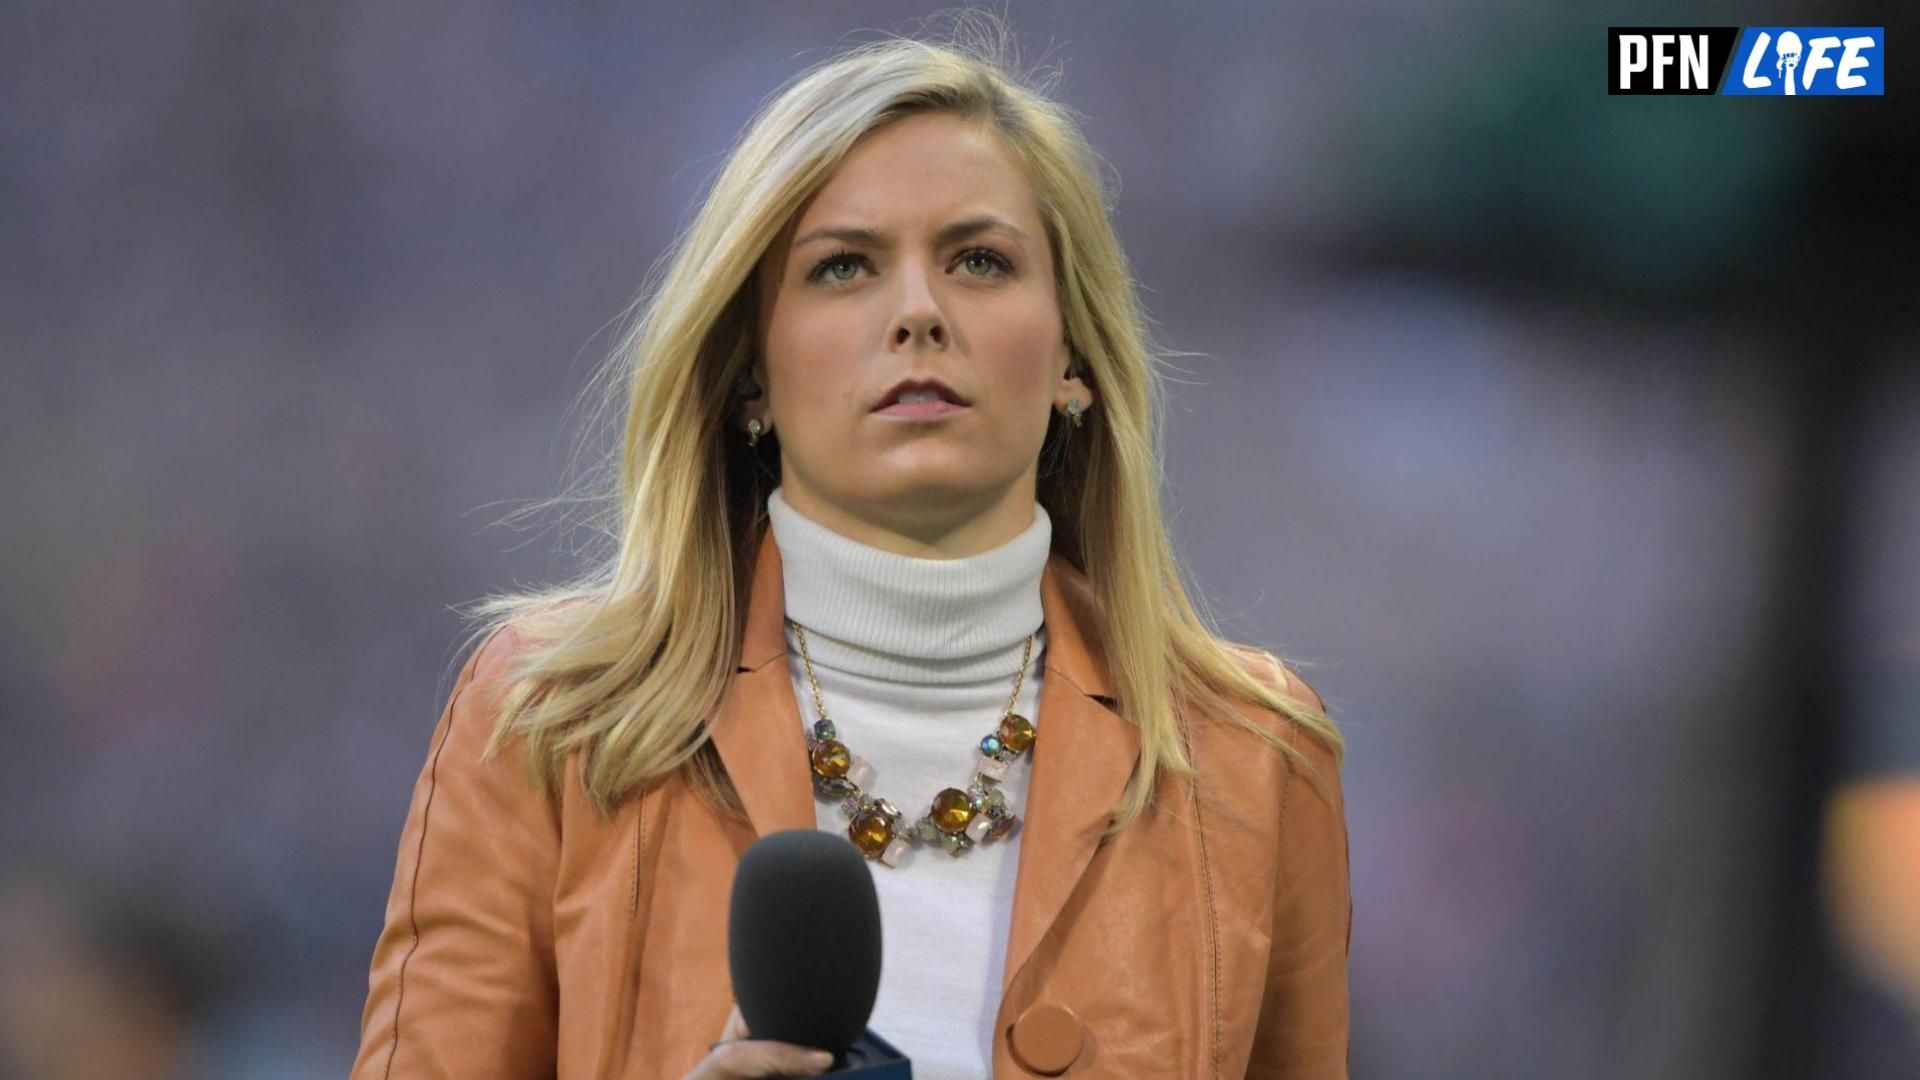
x=627, y=663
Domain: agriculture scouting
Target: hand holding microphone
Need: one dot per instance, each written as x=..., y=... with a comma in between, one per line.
x=803, y=949
x=737, y=1056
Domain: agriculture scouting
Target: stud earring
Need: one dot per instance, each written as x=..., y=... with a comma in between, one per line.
x=1073, y=412
x=753, y=432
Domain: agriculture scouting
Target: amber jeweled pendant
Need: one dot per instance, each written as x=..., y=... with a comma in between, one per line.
x=831, y=759
x=875, y=830
x=1016, y=733
x=952, y=810
x=871, y=832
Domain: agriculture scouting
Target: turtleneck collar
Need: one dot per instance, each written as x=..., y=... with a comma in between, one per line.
x=884, y=615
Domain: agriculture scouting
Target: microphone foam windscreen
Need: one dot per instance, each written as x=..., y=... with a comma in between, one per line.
x=803, y=939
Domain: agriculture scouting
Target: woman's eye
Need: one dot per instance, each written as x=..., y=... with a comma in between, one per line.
x=824, y=266
x=828, y=269
x=992, y=257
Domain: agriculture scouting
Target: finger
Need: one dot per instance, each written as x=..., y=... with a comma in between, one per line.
x=764, y=1057
x=736, y=1027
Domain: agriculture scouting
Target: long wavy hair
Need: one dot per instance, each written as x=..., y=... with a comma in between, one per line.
x=626, y=663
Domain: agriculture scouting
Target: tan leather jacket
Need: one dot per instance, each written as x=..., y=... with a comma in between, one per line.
x=530, y=938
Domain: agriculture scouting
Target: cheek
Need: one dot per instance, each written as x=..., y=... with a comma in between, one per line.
x=812, y=364
x=1034, y=320
x=1025, y=343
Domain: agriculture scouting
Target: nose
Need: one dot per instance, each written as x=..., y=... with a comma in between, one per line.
x=918, y=315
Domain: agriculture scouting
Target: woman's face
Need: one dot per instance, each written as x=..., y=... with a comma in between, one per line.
x=949, y=278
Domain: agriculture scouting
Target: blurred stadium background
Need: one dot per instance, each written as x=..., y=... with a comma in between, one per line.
x=1581, y=433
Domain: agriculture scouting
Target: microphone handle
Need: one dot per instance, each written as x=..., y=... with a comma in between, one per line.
x=871, y=1058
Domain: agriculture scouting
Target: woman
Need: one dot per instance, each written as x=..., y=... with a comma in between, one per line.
x=889, y=561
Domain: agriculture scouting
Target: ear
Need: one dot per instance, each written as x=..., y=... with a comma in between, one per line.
x=1075, y=384
x=750, y=397
x=762, y=285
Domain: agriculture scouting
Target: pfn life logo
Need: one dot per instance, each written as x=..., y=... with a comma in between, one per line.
x=1785, y=61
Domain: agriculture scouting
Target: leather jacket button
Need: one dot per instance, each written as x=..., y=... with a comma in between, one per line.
x=1046, y=1039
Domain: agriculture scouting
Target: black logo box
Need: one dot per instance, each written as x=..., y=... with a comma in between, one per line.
x=1720, y=42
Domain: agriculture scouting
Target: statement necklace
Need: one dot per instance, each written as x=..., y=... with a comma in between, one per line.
x=956, y=820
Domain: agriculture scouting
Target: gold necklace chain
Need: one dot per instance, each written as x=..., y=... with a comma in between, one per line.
x=956, y=819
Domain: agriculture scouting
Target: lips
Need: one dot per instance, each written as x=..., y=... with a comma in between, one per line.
x=948, y=396
x=920, y=410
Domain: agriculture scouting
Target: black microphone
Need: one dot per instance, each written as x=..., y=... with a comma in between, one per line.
x=803, y=946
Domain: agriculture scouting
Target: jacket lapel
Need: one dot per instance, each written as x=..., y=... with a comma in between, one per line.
x=758, y=731
x=1083, y=754
x=1082, y=757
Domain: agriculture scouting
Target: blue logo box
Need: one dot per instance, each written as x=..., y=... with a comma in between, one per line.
x=1793, y=61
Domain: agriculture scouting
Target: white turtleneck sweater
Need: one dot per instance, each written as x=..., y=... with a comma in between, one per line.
x=915, y=660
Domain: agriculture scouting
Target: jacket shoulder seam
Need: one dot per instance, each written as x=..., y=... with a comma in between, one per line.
x=1213, y=938
x=420, y=849
x=1286, y=780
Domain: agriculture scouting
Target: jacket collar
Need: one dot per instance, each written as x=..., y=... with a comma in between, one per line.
x=1081, y=761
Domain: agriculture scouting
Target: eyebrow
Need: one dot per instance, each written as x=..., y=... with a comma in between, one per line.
x=957, y=231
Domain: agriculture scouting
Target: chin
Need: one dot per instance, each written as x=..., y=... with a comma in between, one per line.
x=942, y=482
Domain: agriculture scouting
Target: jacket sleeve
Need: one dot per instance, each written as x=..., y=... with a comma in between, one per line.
x=1304, y=1032
x=462, y=981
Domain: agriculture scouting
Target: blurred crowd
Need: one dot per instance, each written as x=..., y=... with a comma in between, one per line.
x=1580, y=435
